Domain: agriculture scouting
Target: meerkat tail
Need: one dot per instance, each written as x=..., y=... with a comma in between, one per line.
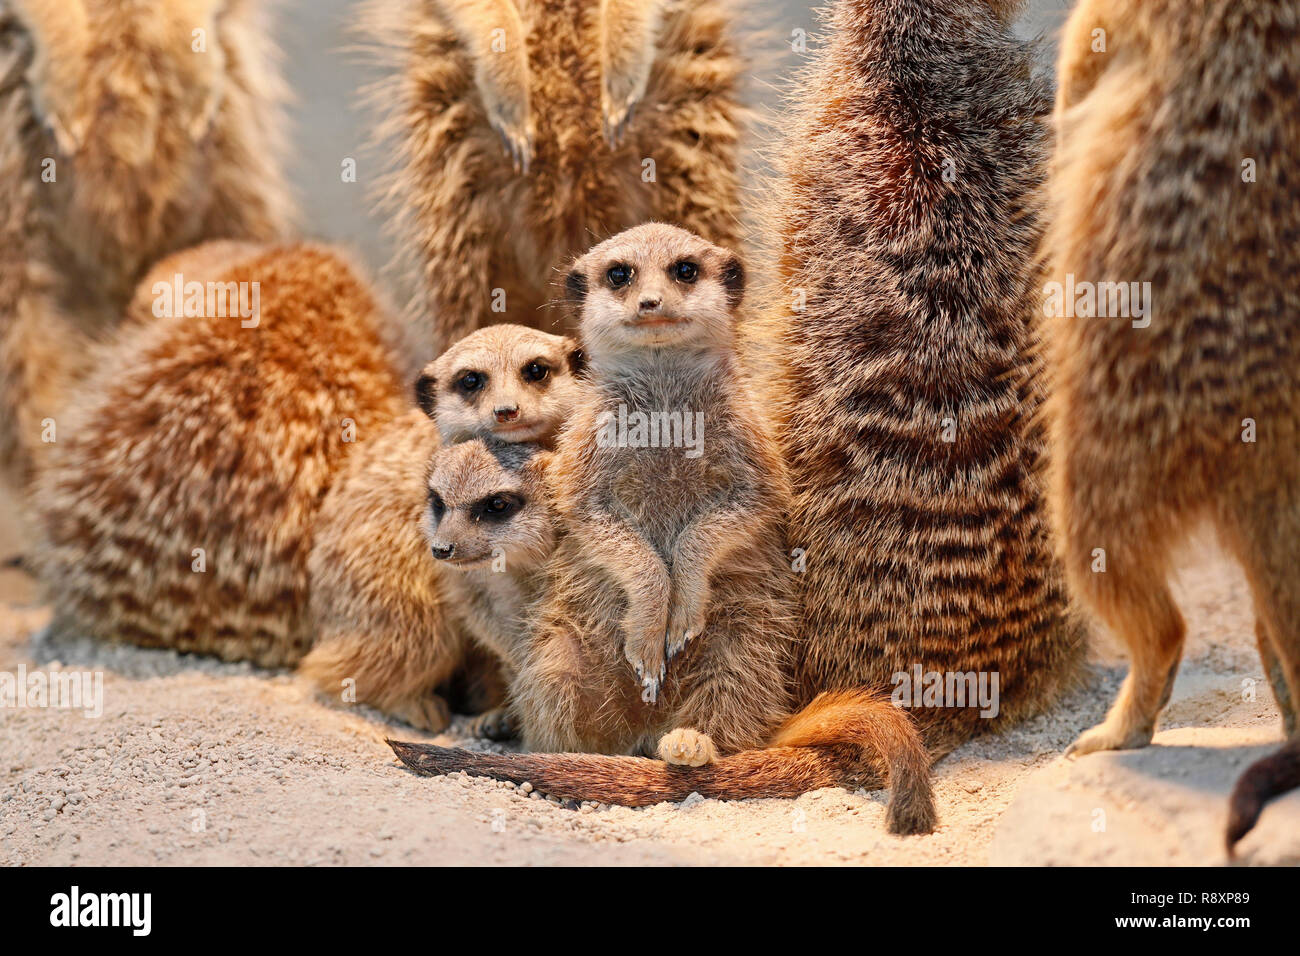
x=822, y=746
x=638, y=781
x=1263, y=780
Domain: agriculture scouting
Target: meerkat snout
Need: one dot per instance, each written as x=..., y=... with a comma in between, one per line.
x=509, y=381
x=442, y=551
x=650, y=303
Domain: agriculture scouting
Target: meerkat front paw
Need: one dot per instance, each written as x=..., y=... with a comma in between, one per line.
x=687, y=748
x=685, y=624
x=645, y=649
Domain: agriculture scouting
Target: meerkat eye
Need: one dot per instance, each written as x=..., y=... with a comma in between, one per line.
x=471, y=382
x=436, y=505
x=685, y=271
x=500, y=507
x=619, y=275
x=536, y=371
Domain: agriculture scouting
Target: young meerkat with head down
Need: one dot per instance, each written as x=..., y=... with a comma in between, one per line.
x=488, y=523
x=382, y=609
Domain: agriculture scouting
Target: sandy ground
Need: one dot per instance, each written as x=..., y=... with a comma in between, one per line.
x=197, y=762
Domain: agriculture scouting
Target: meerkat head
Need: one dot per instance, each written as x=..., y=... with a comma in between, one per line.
x=486, y=504
x=507, y=381
x=656, y=286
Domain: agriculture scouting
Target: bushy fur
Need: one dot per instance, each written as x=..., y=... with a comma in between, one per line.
x=199, y=433
x=152, y=147
x=507, y=164
x=903, y=313
x=1148, y=424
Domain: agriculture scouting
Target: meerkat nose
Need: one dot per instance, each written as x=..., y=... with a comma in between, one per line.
x=443, y=551
x=507, y=413
x=649, y=303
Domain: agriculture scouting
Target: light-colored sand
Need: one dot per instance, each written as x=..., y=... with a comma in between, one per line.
x=197, y=762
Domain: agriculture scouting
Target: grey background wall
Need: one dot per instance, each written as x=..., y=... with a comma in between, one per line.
x=330, y=123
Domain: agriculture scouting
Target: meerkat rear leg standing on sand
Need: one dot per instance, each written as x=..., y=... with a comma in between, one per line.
x=1177, y=165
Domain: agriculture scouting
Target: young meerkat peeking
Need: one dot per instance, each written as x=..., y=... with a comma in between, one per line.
x=488, y=523
x=664, y=623
x=1175, y=182
x=129, y=129
x=525, y=130
x=382, y=611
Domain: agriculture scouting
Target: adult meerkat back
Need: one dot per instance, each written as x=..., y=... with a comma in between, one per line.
x=526, y=129
x=1172, y=325
x=178, y=504
x=908, y=221
x=119, y=143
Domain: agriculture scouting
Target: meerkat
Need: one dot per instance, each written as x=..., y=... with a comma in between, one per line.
x=908, y=213
x=1177, y=164
x=664, y=624
x=129, y=129
x=488, y=522
x=523, y=131
x=178, y=505
x=381, y=609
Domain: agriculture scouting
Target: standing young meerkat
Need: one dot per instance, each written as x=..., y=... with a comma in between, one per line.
x=664, y=624
x=524, y=130
x=386, y=618
x=129, y=129
x=1177, y=167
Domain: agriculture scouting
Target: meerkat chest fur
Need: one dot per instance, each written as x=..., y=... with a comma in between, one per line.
x=662, y=422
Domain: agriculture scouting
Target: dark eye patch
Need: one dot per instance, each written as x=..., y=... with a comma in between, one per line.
x=471, y=381
x=619, y=275
x=436, y=505
x=499, y=507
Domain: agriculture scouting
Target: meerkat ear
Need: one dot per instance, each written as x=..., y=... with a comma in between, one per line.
x=575, y=286
x=629, y=33
x=426, y=391
x=733, y=279
x=576, y=356
x=493, y=34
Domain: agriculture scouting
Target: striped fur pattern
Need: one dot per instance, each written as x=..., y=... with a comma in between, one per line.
x=119, y=144
x=469, y=216
x=901, y=328
x=178, y=506
x=1193, y=414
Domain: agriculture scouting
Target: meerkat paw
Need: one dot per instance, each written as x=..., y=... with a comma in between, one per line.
x=646, y=650
x=429, y=712
x=1111, y=735
x=494, y=724
x=617, y=114
x=687, y=748
x=685, y=624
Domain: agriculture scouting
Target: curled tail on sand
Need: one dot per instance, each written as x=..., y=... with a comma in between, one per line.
x=846, y=739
